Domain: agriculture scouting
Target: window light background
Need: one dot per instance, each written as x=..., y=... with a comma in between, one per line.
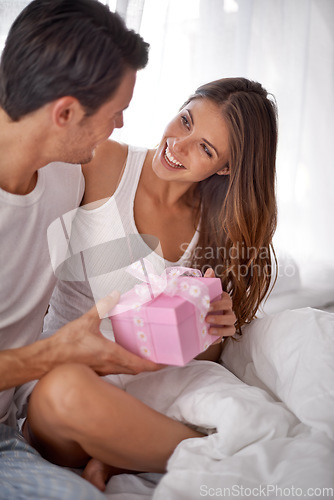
x=288, y=46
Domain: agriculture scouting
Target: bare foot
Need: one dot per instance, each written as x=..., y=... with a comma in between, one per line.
x=98, y=473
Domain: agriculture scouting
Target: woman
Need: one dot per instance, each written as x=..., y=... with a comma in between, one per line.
x=208, y=194
x=224, y=187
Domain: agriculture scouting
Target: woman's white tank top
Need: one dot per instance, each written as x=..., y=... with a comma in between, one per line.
x=107, y=241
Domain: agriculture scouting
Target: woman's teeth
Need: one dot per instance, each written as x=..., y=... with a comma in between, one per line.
x=171, y=160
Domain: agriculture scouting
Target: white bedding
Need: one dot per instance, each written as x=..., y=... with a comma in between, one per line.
x=272, y=405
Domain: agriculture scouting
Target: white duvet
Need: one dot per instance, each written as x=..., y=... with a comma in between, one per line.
x=269, y=412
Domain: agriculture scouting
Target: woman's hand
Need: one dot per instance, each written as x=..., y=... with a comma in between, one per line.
x=220, y=317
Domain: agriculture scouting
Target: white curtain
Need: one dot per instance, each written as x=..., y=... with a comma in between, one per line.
x=287, y=45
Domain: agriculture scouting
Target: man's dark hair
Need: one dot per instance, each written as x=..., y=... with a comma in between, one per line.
x=66, y=47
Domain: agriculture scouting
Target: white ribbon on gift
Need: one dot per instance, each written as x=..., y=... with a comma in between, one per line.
x=155, y=284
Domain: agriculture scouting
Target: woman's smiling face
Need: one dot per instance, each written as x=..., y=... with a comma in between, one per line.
x=195, y=144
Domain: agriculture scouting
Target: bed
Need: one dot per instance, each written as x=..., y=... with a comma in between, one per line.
x=268, y=410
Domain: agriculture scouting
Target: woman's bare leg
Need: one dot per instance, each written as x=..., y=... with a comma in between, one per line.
x=73, y=414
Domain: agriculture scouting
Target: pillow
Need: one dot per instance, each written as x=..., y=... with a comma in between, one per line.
x=288, y=275
x=291, y=355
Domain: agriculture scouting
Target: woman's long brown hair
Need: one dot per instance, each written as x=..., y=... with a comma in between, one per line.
x=239, y=211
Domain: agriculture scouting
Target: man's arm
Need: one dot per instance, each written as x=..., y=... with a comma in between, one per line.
x=21, y=365
x=77, y=342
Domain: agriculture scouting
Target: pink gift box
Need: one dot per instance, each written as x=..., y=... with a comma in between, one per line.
x=168, y=329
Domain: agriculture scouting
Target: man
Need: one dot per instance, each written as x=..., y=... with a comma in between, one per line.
x=67, y=73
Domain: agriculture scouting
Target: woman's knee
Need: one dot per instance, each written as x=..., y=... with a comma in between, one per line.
x=60, y=393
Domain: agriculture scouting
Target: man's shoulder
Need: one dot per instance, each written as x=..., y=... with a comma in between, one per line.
x=64, y=184
x=67, y=175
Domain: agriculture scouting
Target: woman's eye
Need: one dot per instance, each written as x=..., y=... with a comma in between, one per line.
x=185, y=121
x=207, y=150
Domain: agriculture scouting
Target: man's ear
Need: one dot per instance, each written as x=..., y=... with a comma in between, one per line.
x=66, y=110
x=224, y=171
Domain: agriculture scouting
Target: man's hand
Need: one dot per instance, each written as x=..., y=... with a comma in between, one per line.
x=81, y=341
x=77, y=342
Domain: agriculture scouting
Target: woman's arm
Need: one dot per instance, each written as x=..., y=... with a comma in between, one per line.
x=212, y=353
x=103, y=173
